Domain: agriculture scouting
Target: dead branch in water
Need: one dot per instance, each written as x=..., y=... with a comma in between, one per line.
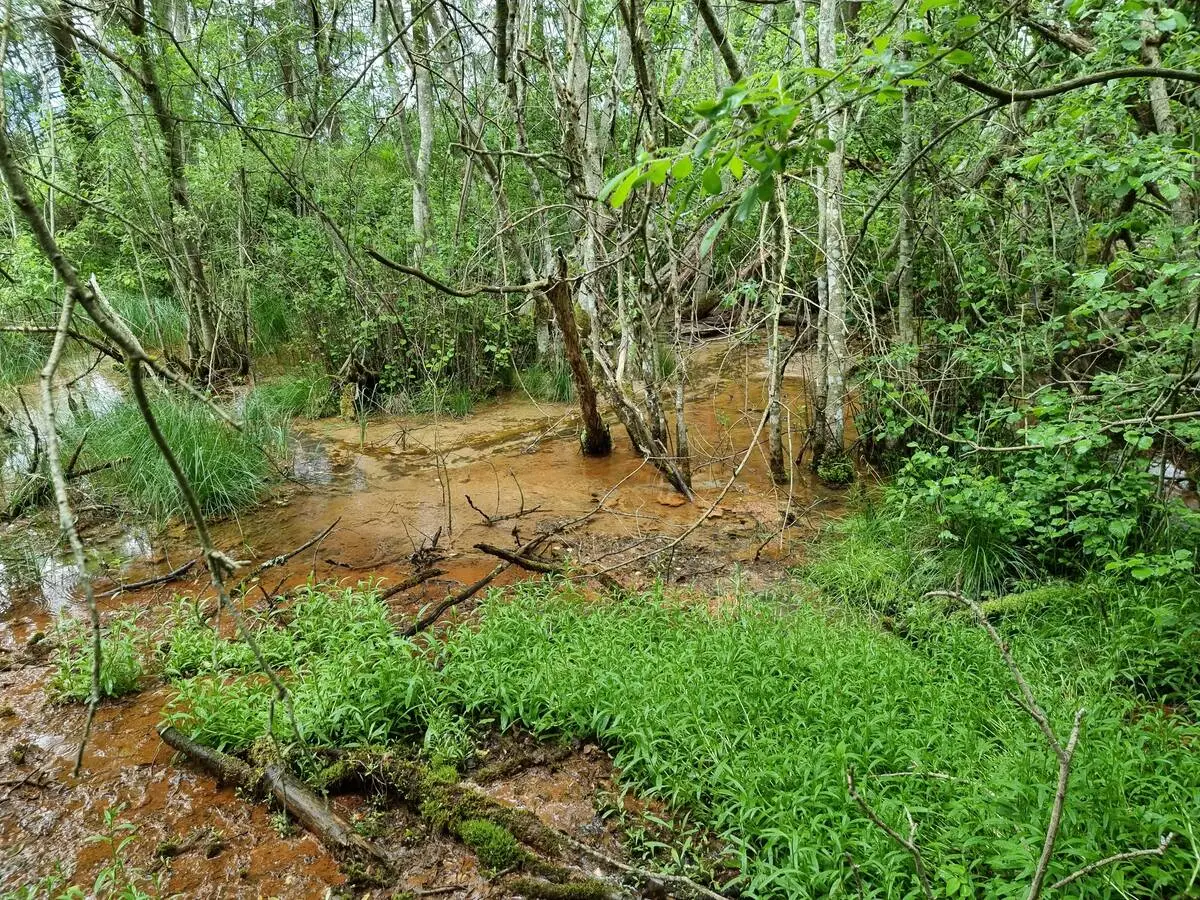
x=490, y=520
x=546, y=567
x=466, y=593
x=290, y=792
x=284, y=557
x=151, y=582
x=411, y=582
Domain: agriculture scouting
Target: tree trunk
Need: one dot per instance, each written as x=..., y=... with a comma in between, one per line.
x=424, y=86
x=596, y=439
x=833, y=423
x=905, y=328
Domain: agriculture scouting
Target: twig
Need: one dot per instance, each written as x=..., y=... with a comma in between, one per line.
x=1115, y=858
x=150, y=582
x=541, y=565
x=284, y=557
x=517, y=559
x=908, y=843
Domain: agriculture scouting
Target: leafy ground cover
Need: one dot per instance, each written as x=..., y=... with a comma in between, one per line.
x=748, y=720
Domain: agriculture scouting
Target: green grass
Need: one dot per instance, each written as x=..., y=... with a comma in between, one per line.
x=228, y=469
x=306, y=393
x=21, y=356
x=745, y=722
x=551, y=384
x=157, y=321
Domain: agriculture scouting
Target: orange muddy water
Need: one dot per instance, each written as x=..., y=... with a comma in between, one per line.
x=392, y=486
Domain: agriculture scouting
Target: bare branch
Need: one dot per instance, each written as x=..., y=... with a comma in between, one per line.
x=908, y=843
x=1115, y=858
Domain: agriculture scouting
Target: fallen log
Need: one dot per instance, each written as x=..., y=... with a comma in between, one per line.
x=288, y=790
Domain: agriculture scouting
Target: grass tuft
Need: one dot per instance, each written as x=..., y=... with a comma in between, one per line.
x=227, y=469
x=306, y=393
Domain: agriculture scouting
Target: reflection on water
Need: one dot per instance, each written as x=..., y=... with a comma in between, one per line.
x=58, y=582
x=311, y=462
x=91, y=391
x=135, y=543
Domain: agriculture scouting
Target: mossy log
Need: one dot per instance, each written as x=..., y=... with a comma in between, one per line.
x=290, y=792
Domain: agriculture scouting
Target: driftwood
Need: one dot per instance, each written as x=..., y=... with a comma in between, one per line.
x=291, y=793
x=150, y=582
x=546, y=567
x=411, y=582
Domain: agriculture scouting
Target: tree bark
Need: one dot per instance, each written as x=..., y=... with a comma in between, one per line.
x=832, y=426
x=596, y=439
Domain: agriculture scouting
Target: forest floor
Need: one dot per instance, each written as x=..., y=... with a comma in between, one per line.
x=397, y=488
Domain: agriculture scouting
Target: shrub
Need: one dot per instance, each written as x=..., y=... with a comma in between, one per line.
x=836, y=470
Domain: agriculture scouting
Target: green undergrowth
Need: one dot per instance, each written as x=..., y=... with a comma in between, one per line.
x=752, y=717
x=551, y=383
x=122, y=648
x=354, y=681
x=747, y=721
x=306, y=393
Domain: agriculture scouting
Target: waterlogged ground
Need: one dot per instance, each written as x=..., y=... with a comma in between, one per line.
x=393, y=487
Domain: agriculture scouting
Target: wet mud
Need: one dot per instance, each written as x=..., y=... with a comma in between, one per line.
x=398, y=489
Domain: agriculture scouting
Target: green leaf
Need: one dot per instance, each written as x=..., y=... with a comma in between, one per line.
x=621, y=193
x=736, y=167
x=612, y=183
x=710, y=236
x=658, y=171
x=927, y=5
x=826, y=144
x=959, y=58
x=712, y=180
x=682, y=168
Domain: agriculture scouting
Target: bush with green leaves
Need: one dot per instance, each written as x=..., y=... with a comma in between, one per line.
x=1067, y=510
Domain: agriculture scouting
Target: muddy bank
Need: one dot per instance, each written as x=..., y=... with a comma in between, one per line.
x=406, y=492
